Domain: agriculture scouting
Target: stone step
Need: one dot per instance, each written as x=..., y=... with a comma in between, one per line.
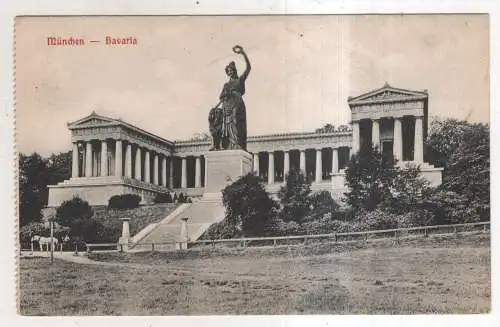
x=200, y=216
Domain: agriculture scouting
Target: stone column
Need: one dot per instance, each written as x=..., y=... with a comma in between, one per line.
x=286, y=164
x=197, y=180
x=74, y=161
x=164, y=171
x=418, y=154
x=376, y=133
x=398, y=140
x=270, y=168
x=138, y=168
x=303, y=161
x=256, y=163
x=184, y=173
x=128, y=161
x=118, y=158
x=147, y=167
x=355, y=137
x=335, y=160
x=319, y=166
x=156, y=177
x=104, y=158
x=88, y=159
x=171, y=173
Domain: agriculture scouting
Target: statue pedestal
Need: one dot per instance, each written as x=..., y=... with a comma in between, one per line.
x=223, y=168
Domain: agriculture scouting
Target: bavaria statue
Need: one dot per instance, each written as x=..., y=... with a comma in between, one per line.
x=227, y=120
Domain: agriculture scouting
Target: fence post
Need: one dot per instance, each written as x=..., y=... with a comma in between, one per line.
x=335, y=238
x=213, y=243
x=425, y=232
x=455, y=229
x=305, y=240
x=152, y=247
x=484, y=228
x=274, y=242
x=366, y=237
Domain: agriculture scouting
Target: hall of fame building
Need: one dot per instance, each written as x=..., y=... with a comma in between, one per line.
x=113, y=157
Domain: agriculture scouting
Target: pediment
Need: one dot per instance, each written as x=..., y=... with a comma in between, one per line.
x=387, y=94
x=91, y=121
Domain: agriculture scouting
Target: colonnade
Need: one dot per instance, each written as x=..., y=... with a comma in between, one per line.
x=128, y=160
x=397, y=137
x=319, y=172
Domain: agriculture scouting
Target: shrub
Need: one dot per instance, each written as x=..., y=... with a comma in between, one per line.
x=247, y=203
x=181, y=198
x=27, y=231
x=72, y=210
x=378, y=220
x=124, y=201
x=163, y=198
x=294, y=197
x=221, y=230
x=279, y=227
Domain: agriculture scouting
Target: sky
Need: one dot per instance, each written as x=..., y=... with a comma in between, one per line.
x=303, y=70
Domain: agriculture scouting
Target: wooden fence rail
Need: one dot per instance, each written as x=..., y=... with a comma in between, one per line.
x=335, y=237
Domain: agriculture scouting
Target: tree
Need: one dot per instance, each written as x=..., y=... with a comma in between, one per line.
x=72, y=210
x=35, y=173
x=33, y=179
x=59, y=167
x=294, y=197
x=321, y=204
x=462, y=148
x=468, y=170
x=343, y=128
x=369, y=177
x=444, y=138
x=408, y=190
x=328, y=128
x=248, y=205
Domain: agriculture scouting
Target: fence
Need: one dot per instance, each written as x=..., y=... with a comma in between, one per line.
x=423, y=231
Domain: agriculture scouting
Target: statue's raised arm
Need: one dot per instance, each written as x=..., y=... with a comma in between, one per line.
x=239, y=49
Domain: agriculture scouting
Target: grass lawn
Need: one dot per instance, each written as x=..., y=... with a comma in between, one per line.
x=440, y=275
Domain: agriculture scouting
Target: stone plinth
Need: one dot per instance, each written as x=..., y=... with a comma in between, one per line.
x=98, y=190
x=223, y=168
x=125, y=238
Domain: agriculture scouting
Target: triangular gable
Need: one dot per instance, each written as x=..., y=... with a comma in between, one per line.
x=93, y=120
x=387, y=93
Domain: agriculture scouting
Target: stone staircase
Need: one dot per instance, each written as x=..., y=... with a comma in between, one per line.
x=200, y=216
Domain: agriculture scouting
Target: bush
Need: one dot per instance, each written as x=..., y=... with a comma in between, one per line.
x=124, y=201
x=378, y=220
x=27, y=231
x=72, y=210
x=221, y=230
x=181, y=198
x=247, y=203
x=163, y=198
x=279, y=227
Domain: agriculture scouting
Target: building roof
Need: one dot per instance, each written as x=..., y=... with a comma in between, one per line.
x=387, y=93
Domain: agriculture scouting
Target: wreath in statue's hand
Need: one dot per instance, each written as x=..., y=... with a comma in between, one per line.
x=238, y=49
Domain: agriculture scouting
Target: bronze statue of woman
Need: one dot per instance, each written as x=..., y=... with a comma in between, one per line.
x=234, y=124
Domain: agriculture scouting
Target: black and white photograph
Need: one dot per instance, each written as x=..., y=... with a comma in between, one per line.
x=253, y=165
